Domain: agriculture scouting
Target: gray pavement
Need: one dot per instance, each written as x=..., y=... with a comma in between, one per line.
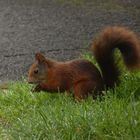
x=60, y=30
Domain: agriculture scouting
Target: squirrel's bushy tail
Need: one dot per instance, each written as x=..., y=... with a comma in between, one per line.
x=103, y=47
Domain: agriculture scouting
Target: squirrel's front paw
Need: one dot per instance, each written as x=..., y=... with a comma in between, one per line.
x=37, y=88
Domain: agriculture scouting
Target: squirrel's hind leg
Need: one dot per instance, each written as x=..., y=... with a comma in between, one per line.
x=85, y=88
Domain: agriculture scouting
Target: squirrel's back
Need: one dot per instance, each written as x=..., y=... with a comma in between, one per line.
x=78, y=69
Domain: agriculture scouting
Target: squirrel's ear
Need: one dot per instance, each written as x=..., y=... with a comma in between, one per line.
x=40, y=57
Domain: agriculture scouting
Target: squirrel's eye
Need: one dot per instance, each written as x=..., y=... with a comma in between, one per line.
x=36, y=71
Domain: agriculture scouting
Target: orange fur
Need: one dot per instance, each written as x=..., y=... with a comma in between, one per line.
x=82, y=76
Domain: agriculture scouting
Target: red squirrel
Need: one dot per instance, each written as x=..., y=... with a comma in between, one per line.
x=82, y=76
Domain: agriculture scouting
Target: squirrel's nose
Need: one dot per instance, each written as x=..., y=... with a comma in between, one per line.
x=30, y=81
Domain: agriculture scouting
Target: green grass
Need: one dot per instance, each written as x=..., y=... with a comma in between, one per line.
x=43, y=116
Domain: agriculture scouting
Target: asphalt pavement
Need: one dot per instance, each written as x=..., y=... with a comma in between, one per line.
x=60, y=30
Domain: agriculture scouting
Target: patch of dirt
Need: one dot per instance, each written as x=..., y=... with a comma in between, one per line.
x=60, y=30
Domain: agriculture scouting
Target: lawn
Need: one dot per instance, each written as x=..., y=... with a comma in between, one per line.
x=44, y=116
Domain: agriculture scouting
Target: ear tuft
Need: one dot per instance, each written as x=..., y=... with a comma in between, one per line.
x=40, y=57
